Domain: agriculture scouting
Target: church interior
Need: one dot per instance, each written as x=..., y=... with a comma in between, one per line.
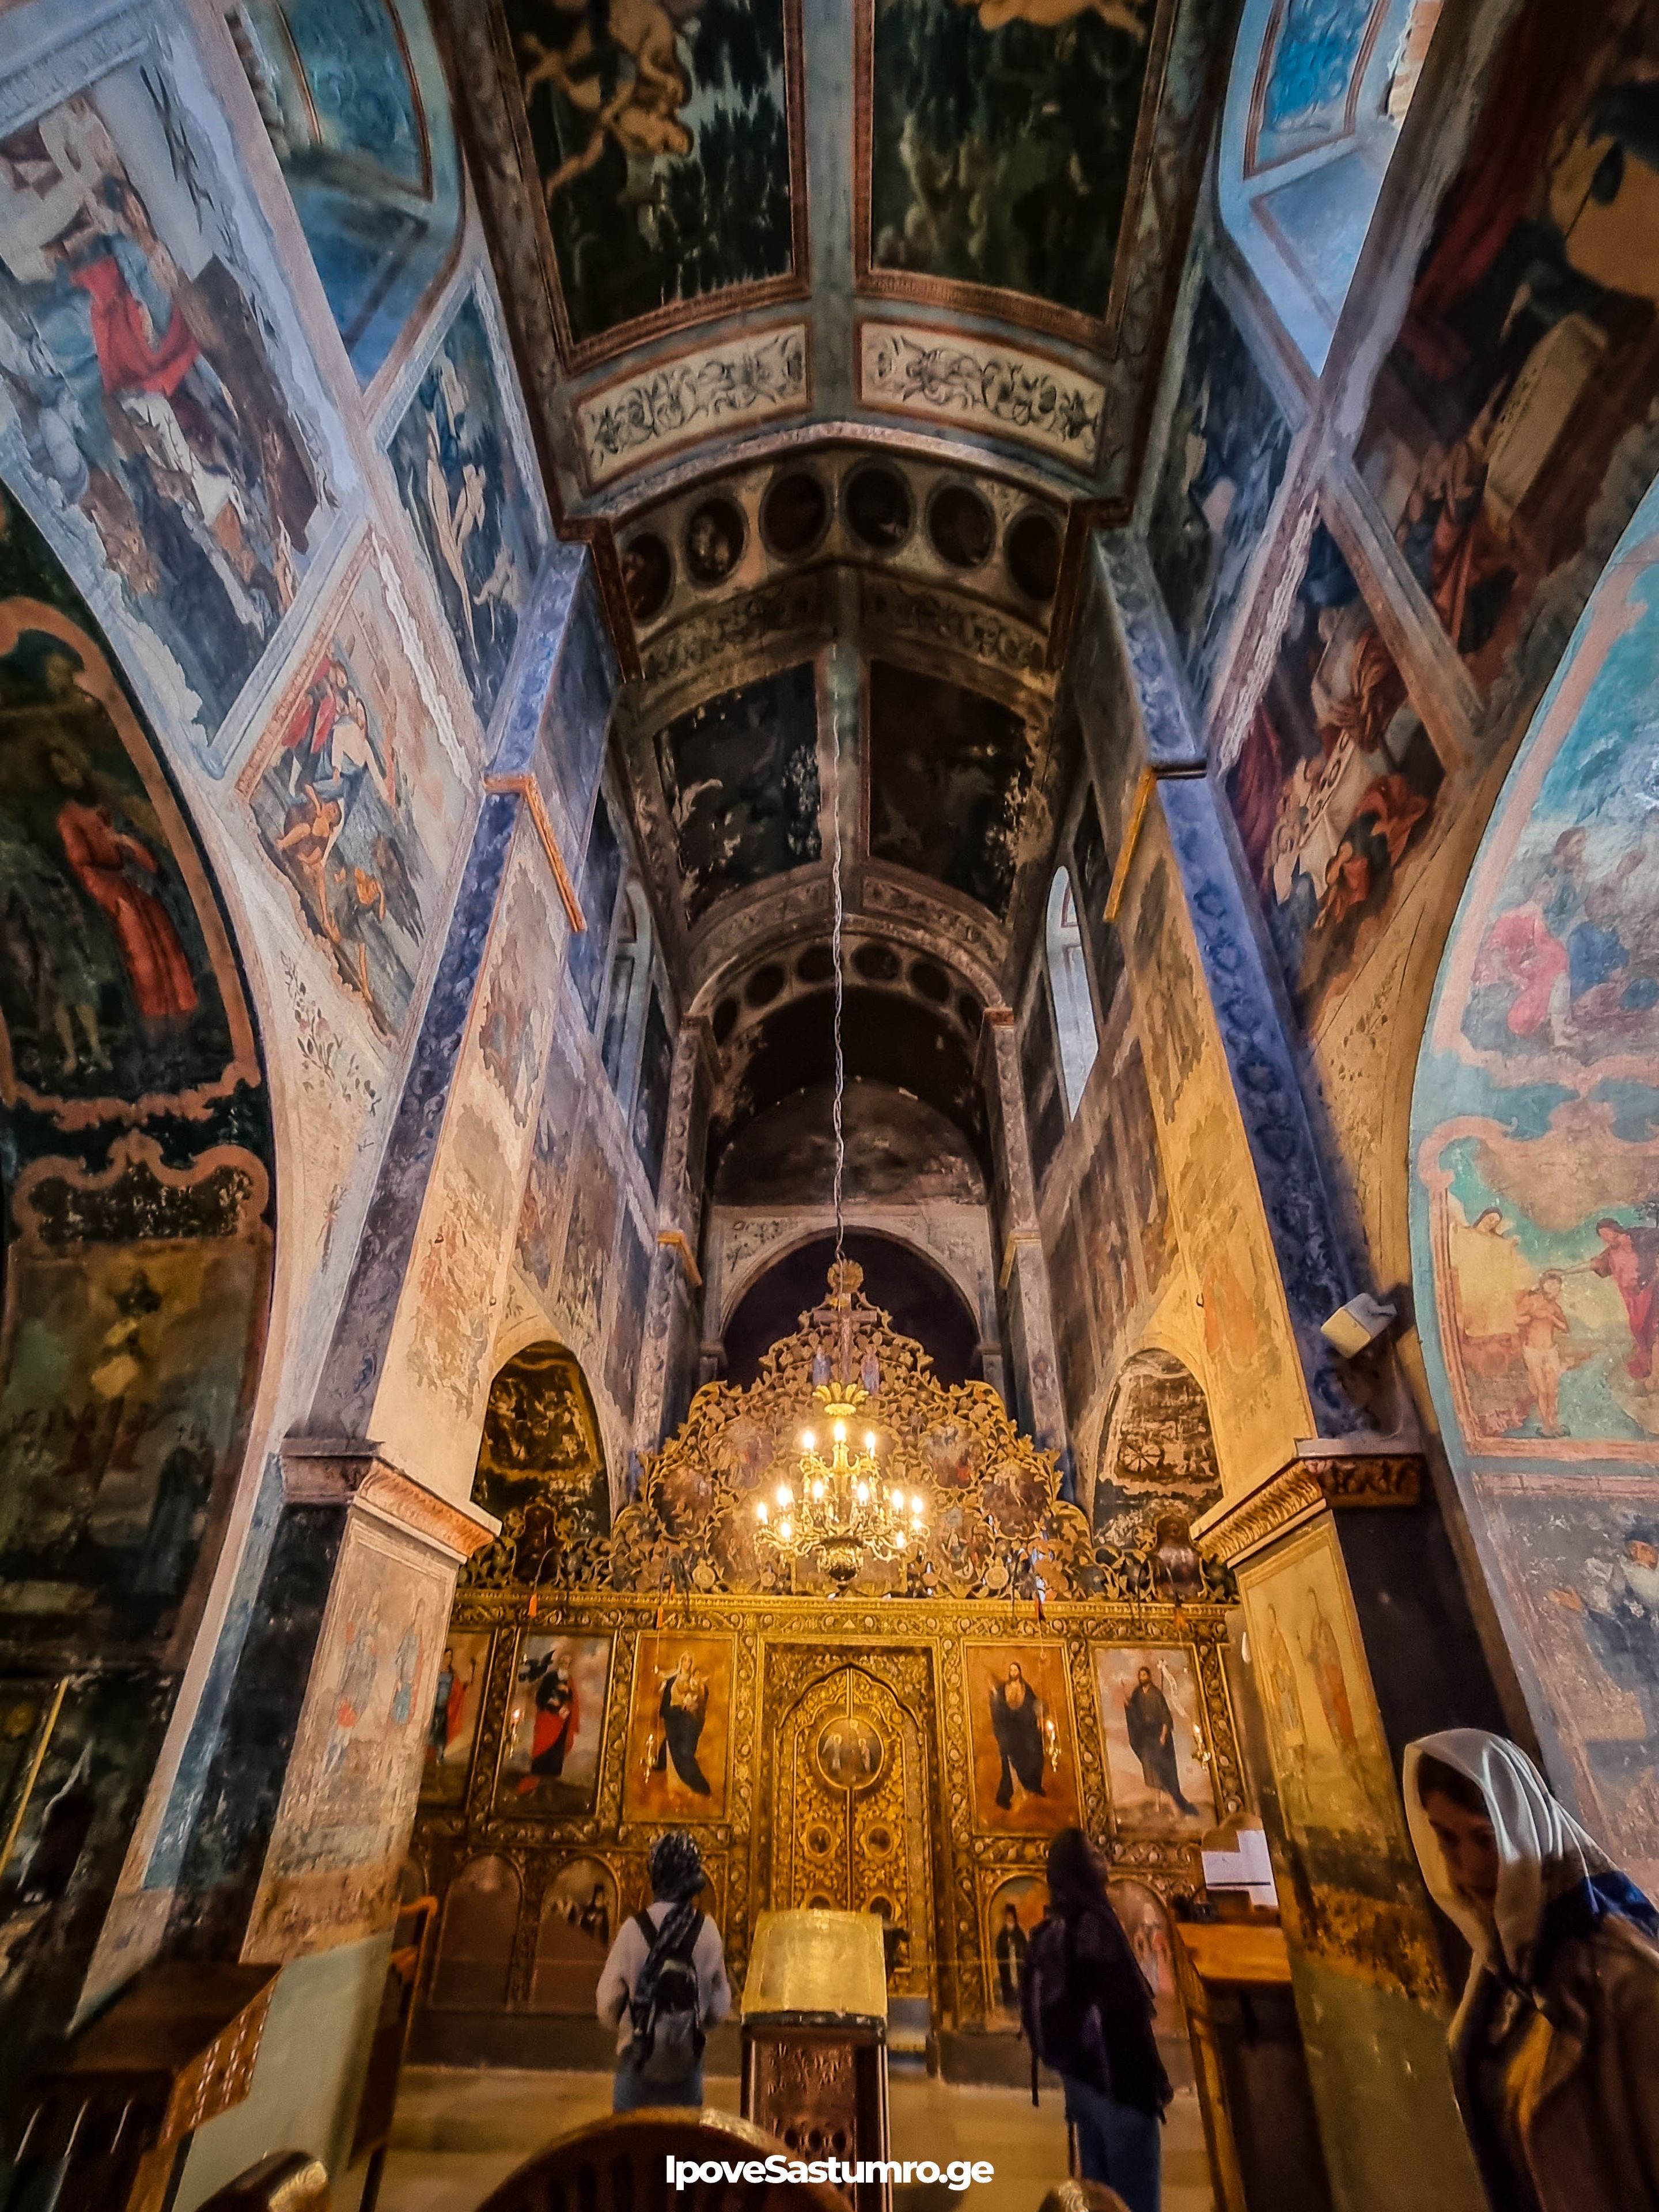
x=812, y=813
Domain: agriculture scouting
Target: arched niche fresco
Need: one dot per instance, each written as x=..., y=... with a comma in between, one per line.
x=136, y=1135
x=1536, y=1204
x=923, y=1301
x=1318, y=93
x=475, y=1945
x=1157, y=1461
x=579, y=1918
x=541, y=1470
x=353, y=95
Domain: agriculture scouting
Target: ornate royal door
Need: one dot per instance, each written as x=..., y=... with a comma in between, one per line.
x=850, y=1825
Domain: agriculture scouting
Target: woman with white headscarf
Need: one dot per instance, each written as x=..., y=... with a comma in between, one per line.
x=1555, y=2047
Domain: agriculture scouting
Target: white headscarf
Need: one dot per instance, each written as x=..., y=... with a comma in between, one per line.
x=1542, y=1852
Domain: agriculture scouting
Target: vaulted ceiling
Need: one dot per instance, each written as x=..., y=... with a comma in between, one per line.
x=840, y=322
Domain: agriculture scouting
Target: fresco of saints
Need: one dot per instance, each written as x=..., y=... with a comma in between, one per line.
x=1324, y=1656
x=1017, y=1722
x=683, y=1709
x=1151, y=1725
x=1617, y=1599
x=1285, y=1702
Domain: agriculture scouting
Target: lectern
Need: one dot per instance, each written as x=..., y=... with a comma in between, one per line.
x=815, y=2039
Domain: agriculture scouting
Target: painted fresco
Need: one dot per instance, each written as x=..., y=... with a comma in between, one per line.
x=1171, y=995
x=1143, y=1168
x=1011, y=1913
x=134, y=1128
x=1039, y=1072
x=148, y=400
x=355, y=797
x=589, y=1235
x=1107, y=1269
x=352, y=1780
x=1001, y=143
x=541, y=1209
x=679, y=1729
x=1069, y=1297
x=1024, y=1752
x=1094, y=886
x=116, y=994
x=456, y=1699
x=660, y=137
x=353, y=95
x=1353, y=1892
x=1151, y=1726
x=555, y=1725
x=740, y=774
x=622, y=1357
x=950, y=774
x=459, y=475
x=541, y=1461
x=1500, y=422
x=1222, y=470
x=581, y=1917
x=1311, y=66
x=1335, y=784
x=1538, y=1160
x=1157, y=1465
x=1145, y=1921
x=1582, y=1576
x=602, y=867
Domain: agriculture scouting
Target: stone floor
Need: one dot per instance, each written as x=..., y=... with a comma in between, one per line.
x=459, y=2132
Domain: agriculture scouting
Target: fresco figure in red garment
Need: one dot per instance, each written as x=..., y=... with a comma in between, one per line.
x=558, y=1720
x=103, y=859
x=1324, y=1657
x=1629, y=1259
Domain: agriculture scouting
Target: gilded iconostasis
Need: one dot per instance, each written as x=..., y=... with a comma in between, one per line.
x=906, y=1749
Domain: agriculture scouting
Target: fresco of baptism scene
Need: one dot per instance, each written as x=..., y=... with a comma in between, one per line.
x=828, y=1106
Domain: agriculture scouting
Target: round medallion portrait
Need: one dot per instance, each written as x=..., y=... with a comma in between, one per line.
x=715, y=540
x=794, y=513
x=962, y=526
x=819, y=1841
x=878, y=506
x=647, y=570
x=878, y=1839
x=850, y=1752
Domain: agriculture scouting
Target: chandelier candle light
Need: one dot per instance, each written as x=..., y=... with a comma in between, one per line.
x=842, y=1510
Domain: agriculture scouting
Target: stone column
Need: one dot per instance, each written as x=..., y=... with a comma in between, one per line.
x=674, y=1299
x=1022, y=1276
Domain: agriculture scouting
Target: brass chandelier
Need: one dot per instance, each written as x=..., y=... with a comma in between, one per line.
x=840, y=1511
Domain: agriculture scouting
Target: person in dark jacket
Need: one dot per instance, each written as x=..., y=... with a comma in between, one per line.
x=1088, y=2011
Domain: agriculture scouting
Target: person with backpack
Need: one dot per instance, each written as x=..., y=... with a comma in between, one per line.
x=664, y=1985
x=1086, y=2010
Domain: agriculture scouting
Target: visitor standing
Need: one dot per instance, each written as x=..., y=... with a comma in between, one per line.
x=1087, y=2011
x=1555, y=2046
x=664, y=1985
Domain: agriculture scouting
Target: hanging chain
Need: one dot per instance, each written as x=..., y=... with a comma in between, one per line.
x=835, y=945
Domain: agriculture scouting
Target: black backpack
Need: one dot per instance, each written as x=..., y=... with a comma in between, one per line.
x=667, y=2005
x=1061, y=2025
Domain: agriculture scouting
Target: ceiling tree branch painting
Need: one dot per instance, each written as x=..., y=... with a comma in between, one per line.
x=1000, y=153
x=666, y=138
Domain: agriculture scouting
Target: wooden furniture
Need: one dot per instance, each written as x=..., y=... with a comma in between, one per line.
x=618, y=2165
x=107, y=2130
x=287, y=2181
x=410, y=1934
x=1253, y=2086
x=815, y=2038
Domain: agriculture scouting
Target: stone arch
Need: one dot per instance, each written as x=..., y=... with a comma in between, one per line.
x=1157, y=1453
x=944, y=1274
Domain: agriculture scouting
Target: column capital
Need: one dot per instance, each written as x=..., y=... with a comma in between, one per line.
x=356, y=1472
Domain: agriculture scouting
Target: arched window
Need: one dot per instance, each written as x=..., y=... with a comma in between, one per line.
x=625, y=1000
x=1319, y=91
x=1069, y=981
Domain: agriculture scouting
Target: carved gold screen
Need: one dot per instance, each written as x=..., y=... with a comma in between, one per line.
x=850, y=1827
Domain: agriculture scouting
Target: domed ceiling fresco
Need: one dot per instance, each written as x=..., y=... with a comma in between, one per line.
x=841, y=325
